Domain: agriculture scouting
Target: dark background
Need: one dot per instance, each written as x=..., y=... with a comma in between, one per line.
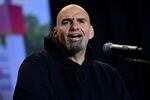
x=120, y=22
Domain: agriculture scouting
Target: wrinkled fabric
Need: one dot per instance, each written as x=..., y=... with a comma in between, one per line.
x=50, y=75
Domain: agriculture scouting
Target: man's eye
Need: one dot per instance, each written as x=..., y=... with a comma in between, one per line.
x=65, y=22
x=82, y=21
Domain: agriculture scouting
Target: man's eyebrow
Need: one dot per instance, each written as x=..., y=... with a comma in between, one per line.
x=73, y=19
x=84, y=19
x=69, y=19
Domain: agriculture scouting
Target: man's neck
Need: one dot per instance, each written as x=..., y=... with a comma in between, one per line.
x=78, y=57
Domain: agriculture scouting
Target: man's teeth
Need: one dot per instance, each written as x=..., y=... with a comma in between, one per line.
x=74, y=35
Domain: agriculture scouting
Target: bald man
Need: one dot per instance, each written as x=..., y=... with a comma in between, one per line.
x=66, y=69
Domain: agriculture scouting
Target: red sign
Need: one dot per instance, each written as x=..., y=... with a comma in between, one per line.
x=11, y=20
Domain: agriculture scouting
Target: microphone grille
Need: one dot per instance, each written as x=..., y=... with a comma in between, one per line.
x=107, y=47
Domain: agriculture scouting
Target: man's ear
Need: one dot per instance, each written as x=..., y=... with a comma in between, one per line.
x=91, y=33
x=54, y=32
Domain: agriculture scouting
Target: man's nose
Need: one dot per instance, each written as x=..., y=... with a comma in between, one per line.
x=74, y=26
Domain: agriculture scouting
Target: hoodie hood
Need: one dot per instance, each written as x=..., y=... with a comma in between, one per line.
x=54, y=49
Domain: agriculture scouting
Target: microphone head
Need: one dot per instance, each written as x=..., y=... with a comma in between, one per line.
x=126, y=49
x=107, y=47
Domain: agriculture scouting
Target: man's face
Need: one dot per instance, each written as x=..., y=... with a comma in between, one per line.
x=73, y=29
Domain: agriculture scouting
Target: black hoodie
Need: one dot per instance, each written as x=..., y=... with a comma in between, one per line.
x=50, y=75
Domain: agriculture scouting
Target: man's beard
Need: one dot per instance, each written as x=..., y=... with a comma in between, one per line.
x=74, y=47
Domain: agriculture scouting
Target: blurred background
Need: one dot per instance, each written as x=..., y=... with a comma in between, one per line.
x=24, y=23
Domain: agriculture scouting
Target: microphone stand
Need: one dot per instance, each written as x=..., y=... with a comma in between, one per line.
x=138, y=60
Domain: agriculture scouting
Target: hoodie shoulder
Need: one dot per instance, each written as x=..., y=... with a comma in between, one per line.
x=104, y=65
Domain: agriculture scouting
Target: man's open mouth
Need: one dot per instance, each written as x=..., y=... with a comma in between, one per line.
x=74, y=37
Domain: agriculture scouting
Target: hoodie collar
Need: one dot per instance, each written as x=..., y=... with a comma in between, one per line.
x=55, y=50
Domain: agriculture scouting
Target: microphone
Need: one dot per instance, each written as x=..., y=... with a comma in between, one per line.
x=110, y=47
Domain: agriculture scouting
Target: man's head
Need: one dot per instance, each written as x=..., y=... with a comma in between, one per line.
x=73, y=28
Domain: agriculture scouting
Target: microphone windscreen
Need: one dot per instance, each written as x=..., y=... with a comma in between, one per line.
x=107, y=47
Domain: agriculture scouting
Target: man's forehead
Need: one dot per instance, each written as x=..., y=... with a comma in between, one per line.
x=74, y=16
x=67, y=11
x=72, y=6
